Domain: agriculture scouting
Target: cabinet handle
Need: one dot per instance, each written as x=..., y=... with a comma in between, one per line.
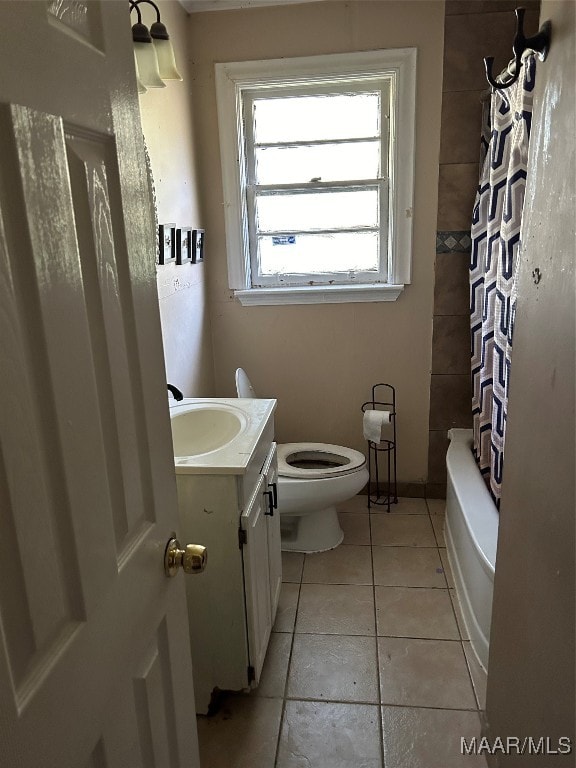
x=274, y=494
x=270, y=503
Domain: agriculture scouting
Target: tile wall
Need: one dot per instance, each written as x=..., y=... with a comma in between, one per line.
x=473, y=29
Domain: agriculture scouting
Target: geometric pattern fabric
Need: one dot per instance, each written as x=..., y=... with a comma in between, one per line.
x=495, y=233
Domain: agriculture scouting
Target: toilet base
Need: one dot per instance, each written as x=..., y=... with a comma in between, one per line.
x=312, y=532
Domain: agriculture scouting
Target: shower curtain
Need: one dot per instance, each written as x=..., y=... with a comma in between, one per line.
x=496, y=224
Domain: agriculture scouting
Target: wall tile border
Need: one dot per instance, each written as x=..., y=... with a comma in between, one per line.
x=453, y=240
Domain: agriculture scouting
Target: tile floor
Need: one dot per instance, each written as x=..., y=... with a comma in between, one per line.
x=369, y=665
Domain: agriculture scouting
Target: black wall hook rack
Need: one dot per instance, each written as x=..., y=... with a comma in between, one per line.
x=540, y=43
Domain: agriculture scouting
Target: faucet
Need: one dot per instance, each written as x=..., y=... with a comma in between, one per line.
x=175, y=392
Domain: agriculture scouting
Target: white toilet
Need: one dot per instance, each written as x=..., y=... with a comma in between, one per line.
x=312, y=478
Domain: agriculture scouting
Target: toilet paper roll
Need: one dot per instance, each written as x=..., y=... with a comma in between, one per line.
x=373, y=423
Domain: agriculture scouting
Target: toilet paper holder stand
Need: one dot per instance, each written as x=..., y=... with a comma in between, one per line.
x=382, y=491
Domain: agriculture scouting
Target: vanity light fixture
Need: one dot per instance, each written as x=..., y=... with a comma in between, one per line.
x=153, y=51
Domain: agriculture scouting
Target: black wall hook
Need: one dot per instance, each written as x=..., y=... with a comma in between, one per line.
x=540, y=42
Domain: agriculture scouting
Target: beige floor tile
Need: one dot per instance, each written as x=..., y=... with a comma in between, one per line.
x=415, y=612
x=325, y=735
x=287, y=605
x=273, y=676
x=292, y=565
x=429, y=738
x=334, y=667
x=438, y=525
x=436, y=506
x=346, y=564
x=447, y=568
x=478, y=675
x=336, y=609
x=408, y=567
x=356, y=527
x=402, y=531
x=405, y=506
x=424, y=673
x=243, y=734
x=459, y=616
x=357, y=503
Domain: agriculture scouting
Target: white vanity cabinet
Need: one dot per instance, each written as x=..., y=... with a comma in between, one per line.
x=229, y=508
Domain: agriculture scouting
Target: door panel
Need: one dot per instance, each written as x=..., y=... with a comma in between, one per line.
x=142, y=724
x=59, y=324
x=154, y=704
x=94, y=651
x=256, y=578
x=79, y=17
x=270, y=469
x=56, y=596
x=89, y=158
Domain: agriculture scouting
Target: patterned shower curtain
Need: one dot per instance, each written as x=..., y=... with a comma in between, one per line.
x=496, y=224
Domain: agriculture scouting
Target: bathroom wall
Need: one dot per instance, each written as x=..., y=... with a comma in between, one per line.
x=531, y=688
x=321, y=361
x=167, y=122
x=473, y=29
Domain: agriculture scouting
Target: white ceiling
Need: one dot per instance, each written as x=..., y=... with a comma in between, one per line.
x=194, y=6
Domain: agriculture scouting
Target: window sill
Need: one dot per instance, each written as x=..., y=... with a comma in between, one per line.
x=317, y=294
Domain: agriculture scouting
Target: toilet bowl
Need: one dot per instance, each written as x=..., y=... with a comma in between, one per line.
x=312, y=479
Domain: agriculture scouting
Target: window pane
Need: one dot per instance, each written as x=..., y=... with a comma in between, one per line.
x=317, y=210
x=308, y=118
x=318, y=253
x=321, y=162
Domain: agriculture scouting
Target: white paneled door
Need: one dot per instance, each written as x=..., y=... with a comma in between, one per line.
x=94, y=658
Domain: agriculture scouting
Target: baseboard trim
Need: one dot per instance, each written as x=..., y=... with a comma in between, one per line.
x=415, y=490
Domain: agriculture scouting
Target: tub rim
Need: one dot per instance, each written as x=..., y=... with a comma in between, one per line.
x=481, y=518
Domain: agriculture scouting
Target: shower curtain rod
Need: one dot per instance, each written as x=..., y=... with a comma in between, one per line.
x=539, y=43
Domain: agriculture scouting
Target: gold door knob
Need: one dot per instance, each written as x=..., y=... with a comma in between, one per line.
x=192, y=559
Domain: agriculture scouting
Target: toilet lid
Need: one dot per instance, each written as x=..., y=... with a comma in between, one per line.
x=317, y=460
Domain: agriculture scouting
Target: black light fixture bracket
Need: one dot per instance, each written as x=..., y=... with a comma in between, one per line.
x=140, y=32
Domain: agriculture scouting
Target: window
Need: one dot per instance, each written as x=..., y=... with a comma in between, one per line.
x=317, y=162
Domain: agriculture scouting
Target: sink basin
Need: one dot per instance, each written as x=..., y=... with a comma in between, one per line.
x=200, y=427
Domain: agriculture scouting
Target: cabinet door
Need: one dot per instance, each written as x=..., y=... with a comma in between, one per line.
x=256, y=577
x=270, y=470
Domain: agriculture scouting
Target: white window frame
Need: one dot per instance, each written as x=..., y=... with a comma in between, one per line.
x=381, y=85
x=234, y=80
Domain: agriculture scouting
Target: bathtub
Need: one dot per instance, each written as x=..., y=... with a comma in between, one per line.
x=471, y=531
